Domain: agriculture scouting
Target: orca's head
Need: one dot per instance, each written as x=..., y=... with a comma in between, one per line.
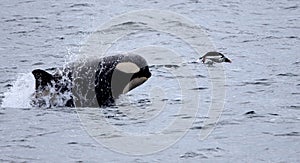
x=130, y=72
x=51, y=88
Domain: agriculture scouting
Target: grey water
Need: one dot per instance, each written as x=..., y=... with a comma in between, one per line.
x=258, y=123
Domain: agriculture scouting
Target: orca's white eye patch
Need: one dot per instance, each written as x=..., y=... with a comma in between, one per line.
x=128, y=67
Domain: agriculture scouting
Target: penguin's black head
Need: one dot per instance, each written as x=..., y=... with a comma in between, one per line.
x=222, y=55
x=224, y=58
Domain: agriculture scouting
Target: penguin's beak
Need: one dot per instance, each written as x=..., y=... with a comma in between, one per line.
x=227, y=60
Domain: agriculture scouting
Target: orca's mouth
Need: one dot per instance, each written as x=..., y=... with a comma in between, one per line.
x=134, y=83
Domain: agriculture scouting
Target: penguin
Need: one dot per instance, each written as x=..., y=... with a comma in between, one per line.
x=114, y=75
x=213, y=57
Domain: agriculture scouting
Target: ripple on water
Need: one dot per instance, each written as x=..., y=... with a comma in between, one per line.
x=253, y=114
x=287, y=74
x=294, y=107
x=261, y=83
x=273, y=114
x=203, y=153
x=296, y=63
x=81, y=5
x=38, y=63
x=250, y=112
x=294, y=7
x=24, y=60
x=288, y=134
x=166, y=66
x=188, y=155
x=27, y=146
x=72, y=143
x=196, y=128
x=8, y=85
x=199, y=88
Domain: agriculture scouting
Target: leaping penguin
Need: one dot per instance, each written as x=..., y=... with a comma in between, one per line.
x=213, y=57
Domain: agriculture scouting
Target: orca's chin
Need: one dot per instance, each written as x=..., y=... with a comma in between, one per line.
x=134, y=83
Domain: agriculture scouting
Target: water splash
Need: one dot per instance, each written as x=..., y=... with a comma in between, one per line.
x=19, y=95
x=23, y=94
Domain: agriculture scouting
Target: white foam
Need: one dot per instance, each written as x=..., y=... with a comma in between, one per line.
x=18, y=96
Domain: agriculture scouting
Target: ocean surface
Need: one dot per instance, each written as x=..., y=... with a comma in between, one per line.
x=246, y=111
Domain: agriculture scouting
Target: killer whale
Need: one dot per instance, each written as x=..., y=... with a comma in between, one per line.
x=108, y=78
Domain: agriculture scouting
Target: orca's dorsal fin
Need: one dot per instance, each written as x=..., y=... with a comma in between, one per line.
x=42, y=78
